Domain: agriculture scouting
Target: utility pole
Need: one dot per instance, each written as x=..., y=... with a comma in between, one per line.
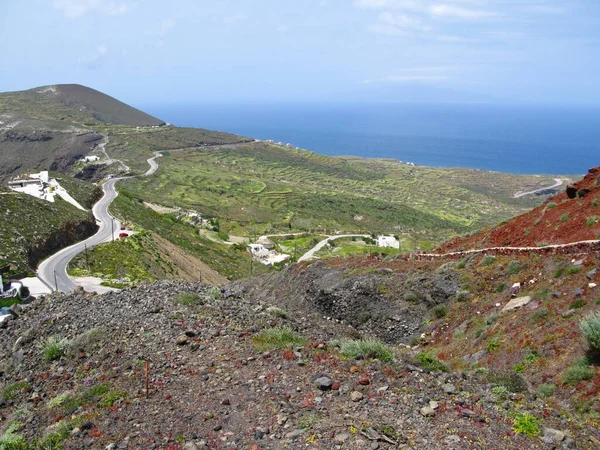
x=55, y=282
x=295, y=248
x=87, y=260
x=112, y=227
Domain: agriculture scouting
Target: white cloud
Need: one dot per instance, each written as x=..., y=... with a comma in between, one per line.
x=543, y=9
x=416, y=78
x=448, y=11
x=403, y=21
x=73, y=9
x=407, y=5
x=387, y=30
x=101, y=49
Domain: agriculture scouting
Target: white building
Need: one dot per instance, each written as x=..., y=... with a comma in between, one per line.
x=89, y=159
x=387, y=241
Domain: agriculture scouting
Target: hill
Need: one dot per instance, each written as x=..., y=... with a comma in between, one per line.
x=73, y=104
x=571, y=216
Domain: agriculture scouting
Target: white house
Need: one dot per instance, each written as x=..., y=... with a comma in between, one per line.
x=387, y=241
x=91, y=158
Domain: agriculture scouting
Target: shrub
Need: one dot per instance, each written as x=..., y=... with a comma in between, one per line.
x=488, y=260
x=564, y=217
x=410, y=296
x=592, y=221
x=53, y=348
x=188, y=299
x=11, y=440
x=579, y=372
x=461, y=264
x=462, y=295
x=366, y=349
x=277, y=312
x=493, y=345
x=573, y=270
x=539, y=315
x=590, y=328
x=559, y=272
x=513, y=382
x=577, y=304
x=214, y=293
x=430, y=362
x=525, y=423
x=501, y=287
x=278, y=337
x=546, y=389
x=551, y=205
x=514, y=267
x=595, y=202
x=58, y=400
x=11, y=392
x=500, y=392
x=440, y=311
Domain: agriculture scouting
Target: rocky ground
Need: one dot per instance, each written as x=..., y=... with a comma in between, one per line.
x=211, y=385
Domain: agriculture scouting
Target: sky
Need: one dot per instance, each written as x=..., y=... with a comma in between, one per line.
x=185, y=51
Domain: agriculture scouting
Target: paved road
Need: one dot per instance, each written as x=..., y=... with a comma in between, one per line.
x=558, y=183
x=109, y=228
x=153, y=164
x=311, y=253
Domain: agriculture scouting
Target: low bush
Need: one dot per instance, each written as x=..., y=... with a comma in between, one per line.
x=188, y=299
x=277, y=337
x=590, y=328
x=546, y=389
x=54, y=348
x=440, y=311
x=277, y=312
x=581, y=371
x=366, y=349
x=430, y=362
x=525, y=423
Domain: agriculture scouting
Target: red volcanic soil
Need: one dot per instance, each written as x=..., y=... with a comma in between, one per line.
x=561, y=220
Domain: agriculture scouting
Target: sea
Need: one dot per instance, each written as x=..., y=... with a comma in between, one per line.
x=504, y=138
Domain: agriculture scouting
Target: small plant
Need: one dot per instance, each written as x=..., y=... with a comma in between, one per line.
x=595, y=202
x=514, y=268
x=559, y=272
x=525, y=423
x=573, y=270
x=308, y=420
x=277, y=337
x=410, y=296
x=59, y=400
x=492, y=319
x=581, y=371
x=577, y=304
x=214, y=293
x=461, y=295
x=539, y=316
x=546, y=389
x=564, y=218
x=519, y=368
x=500, y=392
x=11, y=440
x=493, y=345
x=592, y=221
x=590, y=328
x=11, y=392
x=277, y=312
x=501, y=287
x=366, y=349
x=111, y=397
x=188, y=299
x=488, y=261
x=461, y=264
x=440, y=311
x=551, y=205
x=430, y=362
x=54, y=348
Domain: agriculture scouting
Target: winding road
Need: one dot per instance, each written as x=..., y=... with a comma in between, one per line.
x=558, y=182
x=53, y=271
x=311, y=253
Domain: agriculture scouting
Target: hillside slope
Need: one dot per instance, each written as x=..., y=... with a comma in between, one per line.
x=219, y=375
x=571, y=216
x=73, y=103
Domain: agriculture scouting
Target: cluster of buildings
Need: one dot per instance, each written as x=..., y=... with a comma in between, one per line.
x=263, y=251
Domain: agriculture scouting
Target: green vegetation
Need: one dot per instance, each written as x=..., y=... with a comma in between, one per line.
x=54, y=348
x=308, y=420
x=564, y=217
x=514, y=268
x=573, y=270
x=11, y=392
x=488, y=260
x=188, y=299
x=525, y=423
x=278, y=312
x=440, y=311
x=277, y=337
x=592, y=221
x=580, y=371
x=577, y=304
x=551, y=205
x=366, y=349
x=431, y=362
x=590, y=328
x=546, y=389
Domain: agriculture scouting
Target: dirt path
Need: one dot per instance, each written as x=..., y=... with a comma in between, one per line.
x=558, y=181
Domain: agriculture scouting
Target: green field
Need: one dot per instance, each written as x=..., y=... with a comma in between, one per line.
x=259, y=188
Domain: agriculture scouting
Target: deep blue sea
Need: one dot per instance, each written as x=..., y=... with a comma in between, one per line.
x=518, y=139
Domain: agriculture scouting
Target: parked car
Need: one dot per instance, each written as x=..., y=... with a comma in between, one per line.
x=123, y=235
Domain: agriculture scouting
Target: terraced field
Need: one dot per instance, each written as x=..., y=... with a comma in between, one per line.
x=261, y=188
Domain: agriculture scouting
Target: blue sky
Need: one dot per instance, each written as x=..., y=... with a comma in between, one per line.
x=147, y=51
